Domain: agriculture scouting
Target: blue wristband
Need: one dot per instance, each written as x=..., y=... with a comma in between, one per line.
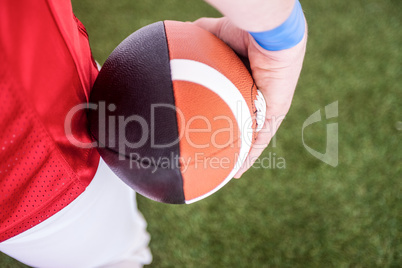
x=286, y=35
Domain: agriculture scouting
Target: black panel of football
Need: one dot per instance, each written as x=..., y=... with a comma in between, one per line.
x=134, y=119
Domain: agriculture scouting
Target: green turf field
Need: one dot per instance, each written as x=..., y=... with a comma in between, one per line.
x=308, y=214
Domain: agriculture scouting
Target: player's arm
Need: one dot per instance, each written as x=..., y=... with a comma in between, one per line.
x=255, y=15
x=277, y=66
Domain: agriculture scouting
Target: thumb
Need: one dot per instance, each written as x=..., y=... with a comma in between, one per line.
x=212, y=25
x=225, y=30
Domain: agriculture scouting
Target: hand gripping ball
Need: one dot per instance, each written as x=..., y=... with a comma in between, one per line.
x=174, y=112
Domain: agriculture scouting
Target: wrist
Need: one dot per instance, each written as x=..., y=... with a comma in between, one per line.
x=286, y=35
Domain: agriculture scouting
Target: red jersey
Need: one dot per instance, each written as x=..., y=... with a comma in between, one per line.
x=46, y=68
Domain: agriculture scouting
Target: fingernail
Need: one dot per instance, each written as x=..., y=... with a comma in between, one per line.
x=237, y=176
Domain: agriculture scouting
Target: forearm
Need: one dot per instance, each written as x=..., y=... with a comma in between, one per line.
x=255, y=15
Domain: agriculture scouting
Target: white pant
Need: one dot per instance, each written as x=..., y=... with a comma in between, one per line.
x=101, y=228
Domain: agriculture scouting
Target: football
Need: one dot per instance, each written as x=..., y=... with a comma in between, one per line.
x=174, y=112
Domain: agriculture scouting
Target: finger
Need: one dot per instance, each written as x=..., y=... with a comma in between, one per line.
x=254, y=153
x=264, y=137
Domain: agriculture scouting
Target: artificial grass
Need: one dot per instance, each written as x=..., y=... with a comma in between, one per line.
x=309, y=214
